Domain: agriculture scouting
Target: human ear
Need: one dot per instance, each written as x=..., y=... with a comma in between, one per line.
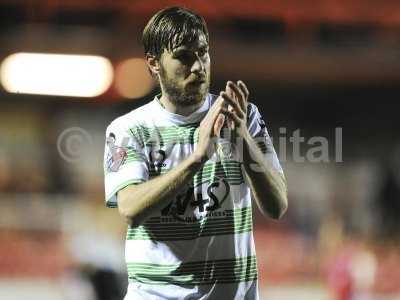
x=153, y=64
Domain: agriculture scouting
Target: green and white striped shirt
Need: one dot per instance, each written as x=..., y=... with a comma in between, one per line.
x=200, y=244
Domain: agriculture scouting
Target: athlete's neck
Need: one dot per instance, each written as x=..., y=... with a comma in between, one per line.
x=179, y=109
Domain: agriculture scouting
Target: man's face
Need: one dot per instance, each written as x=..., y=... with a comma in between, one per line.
x=185, y=73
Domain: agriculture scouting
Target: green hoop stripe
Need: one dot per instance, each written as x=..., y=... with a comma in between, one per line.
x=151, y=136
x=188, y=238
x=201, y=272
x=229, y=170
x=134, y=155
x=263, y=147
x=165, y=227
x=226, y=213
x=239, y=222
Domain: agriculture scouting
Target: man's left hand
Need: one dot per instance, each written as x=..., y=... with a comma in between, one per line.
x=236, y=94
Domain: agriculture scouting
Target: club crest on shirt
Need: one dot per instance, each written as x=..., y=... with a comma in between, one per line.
x=225, y=150
x=116, y=155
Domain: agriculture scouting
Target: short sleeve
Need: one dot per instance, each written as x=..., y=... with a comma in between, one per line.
x=125, y=162
x=258, y=130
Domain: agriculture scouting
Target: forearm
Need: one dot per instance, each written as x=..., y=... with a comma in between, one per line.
x=267, y=185
x=137, y=202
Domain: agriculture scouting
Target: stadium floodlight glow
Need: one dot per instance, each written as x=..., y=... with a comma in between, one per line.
x=56, y=74
x=132, y=78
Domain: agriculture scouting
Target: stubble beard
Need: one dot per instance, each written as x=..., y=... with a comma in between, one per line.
x=179, y=96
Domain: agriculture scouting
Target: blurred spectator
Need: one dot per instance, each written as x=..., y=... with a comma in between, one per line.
x=352, y=272
x=94, y=244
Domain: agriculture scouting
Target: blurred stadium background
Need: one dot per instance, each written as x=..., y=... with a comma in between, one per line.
x=310, y=65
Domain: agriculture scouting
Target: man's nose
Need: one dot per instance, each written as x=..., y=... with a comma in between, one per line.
x=198, y=65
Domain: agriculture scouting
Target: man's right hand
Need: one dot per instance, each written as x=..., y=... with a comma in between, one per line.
x=210, y=128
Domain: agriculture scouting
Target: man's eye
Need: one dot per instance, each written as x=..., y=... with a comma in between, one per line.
x=203, y=52
x=183, y=56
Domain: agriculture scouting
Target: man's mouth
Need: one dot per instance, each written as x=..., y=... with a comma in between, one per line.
x=197, y=81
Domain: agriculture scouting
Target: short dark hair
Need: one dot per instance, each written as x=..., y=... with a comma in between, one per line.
x=170, y=28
